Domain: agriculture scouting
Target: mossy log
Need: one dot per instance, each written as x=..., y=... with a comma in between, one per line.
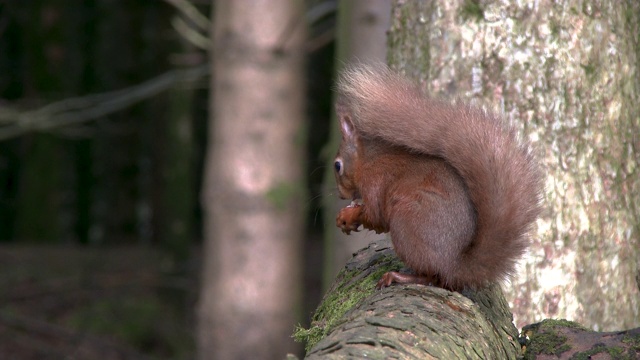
x=562, y=339
x=414, y=321
x=407, y=321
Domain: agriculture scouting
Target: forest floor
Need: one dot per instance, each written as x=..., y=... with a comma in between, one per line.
x=94, y=303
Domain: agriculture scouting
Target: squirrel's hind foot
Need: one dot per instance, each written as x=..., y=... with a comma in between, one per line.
x=401, y=278
x=395, y=277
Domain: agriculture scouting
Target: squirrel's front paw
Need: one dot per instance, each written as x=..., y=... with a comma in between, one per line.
x=348, y=218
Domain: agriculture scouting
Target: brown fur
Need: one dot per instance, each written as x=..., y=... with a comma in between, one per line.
x=453, y=184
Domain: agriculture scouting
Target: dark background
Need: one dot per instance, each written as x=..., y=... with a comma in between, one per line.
x=89, y=265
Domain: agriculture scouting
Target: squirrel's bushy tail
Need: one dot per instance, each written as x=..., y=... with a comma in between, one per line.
x=503, y=180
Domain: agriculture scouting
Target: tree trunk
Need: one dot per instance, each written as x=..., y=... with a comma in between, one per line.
x=253, y=193
x=362, y=36
x=565, y=72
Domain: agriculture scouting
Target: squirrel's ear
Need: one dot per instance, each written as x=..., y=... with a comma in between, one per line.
x=346, y=123
x=346, y=126
x=344, y=117
x=347, y=129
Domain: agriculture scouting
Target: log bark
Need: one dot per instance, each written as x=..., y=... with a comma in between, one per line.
x=561, y=339
x=414, y=321
x=355, y=320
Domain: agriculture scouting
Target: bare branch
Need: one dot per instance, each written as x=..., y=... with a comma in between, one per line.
x=77, y=110
x=190, y=34
x=191, y=13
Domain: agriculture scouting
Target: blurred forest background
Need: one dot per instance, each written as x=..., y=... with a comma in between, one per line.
x=103, y=126
x=123, y=161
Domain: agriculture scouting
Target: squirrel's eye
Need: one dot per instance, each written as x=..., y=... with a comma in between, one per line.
x=338, y=166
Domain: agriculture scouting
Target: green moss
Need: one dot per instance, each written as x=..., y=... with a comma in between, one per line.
x=471, y=9
x=544, y=339
x=333, y=307
x=633, y=340
x=549, y=323
x=555, y=29
x=346, y=295
x=307, y=336
x=549, y=344
x=589, y=69
x=615, y=352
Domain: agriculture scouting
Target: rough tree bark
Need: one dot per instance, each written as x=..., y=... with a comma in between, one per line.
x=565, y=73
x=253, y=184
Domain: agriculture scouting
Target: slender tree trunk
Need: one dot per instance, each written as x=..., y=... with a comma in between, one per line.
x=252, y=194
x=362, y=36
x=566, y=72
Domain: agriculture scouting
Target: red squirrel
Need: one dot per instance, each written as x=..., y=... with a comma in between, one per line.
x=453, y=184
